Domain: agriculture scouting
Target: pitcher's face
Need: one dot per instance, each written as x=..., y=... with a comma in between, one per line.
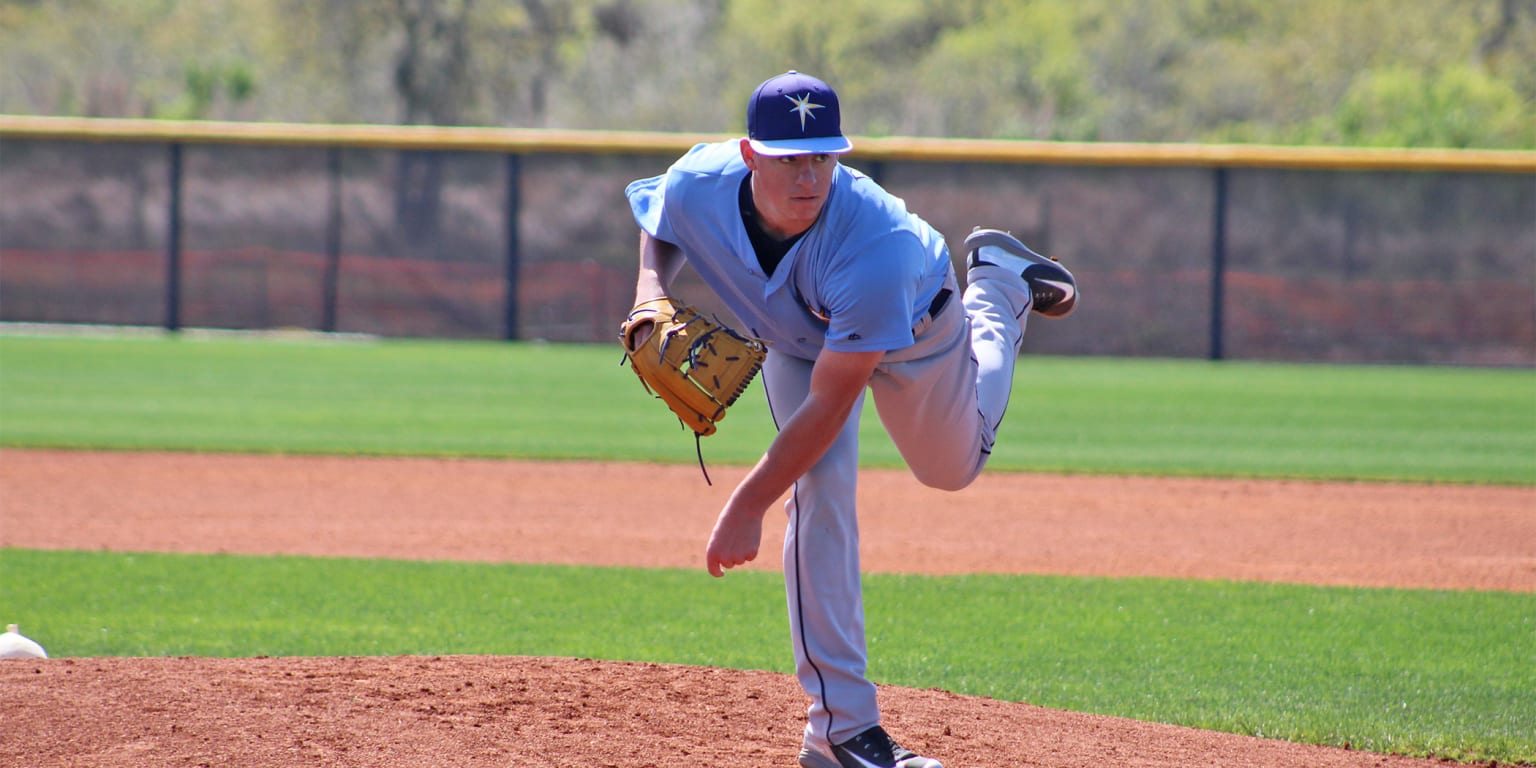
x=789, y=191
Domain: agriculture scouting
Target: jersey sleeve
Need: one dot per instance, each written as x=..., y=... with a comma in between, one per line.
x=648, y=197
x=647, y=201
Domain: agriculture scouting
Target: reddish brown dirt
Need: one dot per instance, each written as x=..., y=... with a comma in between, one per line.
x=507, y=711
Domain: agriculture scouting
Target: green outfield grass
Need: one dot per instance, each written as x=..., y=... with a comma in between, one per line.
x=1413, y=672
x=576, y=402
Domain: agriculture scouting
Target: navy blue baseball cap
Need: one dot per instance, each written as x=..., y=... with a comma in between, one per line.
x=795, y=114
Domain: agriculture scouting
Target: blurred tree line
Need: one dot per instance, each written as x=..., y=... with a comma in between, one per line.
x=1408, y=73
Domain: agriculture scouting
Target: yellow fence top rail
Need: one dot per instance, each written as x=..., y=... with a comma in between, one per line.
x=527, y=140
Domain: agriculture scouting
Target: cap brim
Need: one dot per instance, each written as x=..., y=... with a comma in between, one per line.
x=828, y=145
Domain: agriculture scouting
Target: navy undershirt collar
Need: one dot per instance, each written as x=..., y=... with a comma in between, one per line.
x=770, y=250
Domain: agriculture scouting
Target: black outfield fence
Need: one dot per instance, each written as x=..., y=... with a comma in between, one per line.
x=1220, y=252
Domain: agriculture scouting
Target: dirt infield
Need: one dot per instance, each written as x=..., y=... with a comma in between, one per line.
x=506, y=711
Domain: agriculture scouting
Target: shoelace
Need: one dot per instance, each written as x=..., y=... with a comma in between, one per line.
x=869, y=744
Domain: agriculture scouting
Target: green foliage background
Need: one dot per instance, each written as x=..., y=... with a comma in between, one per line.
x=1428, y=73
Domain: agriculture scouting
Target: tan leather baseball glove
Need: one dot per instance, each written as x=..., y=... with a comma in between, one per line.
x=697, y=366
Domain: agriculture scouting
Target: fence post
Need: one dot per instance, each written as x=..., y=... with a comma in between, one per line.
x=173, y=239
x=875, y=170
x=330, y=283
x=1218, y=263
x=514, y=248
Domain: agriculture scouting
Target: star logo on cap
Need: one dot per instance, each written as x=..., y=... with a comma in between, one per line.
x=803, y=106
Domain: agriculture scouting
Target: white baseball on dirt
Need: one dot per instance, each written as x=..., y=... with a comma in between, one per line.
x=13, y=645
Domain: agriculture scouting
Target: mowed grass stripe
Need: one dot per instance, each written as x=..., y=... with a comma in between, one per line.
x=553, y=401
x=1407, y=671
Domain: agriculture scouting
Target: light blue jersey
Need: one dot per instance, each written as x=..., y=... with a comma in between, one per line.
x=859, y=280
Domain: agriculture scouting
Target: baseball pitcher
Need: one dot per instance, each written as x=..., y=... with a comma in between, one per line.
x=850, y=293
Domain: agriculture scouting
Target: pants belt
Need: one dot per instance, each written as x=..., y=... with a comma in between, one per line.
x=935, y=307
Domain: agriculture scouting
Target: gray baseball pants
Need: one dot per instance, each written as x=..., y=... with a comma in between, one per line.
x=941, y=400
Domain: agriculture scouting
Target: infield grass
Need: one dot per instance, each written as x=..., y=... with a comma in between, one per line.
x=1413, y=672
x=1154, y=417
